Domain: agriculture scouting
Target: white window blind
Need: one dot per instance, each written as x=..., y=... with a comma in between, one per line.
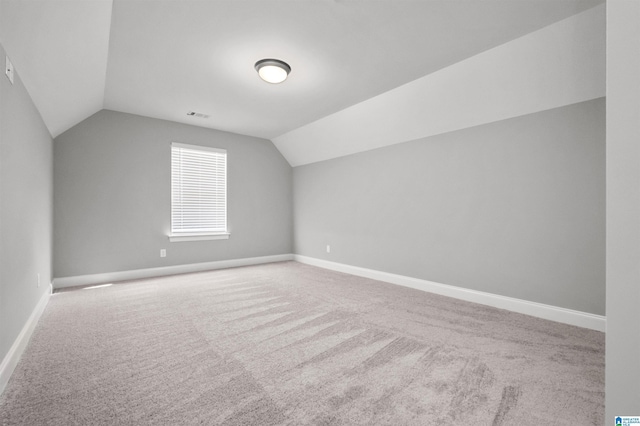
x=198, y=190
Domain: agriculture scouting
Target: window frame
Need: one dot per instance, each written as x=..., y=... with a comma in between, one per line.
x=177, y=236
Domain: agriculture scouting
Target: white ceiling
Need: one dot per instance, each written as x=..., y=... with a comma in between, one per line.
x=558, y=65
x=164, y=58
x=59, y=50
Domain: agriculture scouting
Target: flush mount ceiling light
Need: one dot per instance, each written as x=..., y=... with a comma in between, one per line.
x=272, y=70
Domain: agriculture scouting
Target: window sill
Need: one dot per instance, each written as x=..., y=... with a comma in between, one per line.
x=174, y=238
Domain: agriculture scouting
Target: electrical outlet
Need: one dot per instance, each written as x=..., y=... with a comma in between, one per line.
x=328, y=248
x=8, y=69
x=38, y=280
x=163, y=252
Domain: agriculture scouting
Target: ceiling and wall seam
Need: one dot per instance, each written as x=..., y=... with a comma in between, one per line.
x=162, y=59
x=561, y=64
x=60, y=50
x=106, y=69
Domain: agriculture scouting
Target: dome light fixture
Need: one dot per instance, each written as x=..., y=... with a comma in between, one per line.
x=272, y=70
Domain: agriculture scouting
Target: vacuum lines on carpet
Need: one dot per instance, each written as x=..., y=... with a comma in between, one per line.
x=292, y=344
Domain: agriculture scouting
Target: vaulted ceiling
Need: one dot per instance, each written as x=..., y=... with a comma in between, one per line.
x=164, y=58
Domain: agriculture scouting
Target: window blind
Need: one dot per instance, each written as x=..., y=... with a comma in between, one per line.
x=198, y=189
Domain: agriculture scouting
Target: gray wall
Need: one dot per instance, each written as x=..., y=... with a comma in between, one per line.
x=25, y=208
x=112, y=196
x=514, y=208
x=623, y=210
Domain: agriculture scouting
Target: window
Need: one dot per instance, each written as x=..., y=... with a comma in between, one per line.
x=198, y=193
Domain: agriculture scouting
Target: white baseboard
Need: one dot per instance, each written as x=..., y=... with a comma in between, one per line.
x=540, y=310
x=15, y=352
x=92, y=279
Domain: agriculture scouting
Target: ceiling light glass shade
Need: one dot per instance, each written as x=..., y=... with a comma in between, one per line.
x=272, y=70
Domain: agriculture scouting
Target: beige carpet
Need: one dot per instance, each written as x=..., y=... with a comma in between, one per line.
x=290, y=344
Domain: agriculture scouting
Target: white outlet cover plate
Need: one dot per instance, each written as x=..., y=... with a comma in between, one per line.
x=9, y=69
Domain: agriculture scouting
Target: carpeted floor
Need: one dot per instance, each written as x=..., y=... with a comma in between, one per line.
x=292, y=344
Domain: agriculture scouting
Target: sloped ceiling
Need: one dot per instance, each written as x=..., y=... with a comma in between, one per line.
x=60, y=50
x=164, y=58
x=561, y=64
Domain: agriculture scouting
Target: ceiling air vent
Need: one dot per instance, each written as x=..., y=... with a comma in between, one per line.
x=197, y=114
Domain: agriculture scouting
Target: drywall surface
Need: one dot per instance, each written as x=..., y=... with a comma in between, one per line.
x=61, y=48
x=113, y=196
x=558, y=65
x=623, y=210
x=26, y=208
x=515, y=208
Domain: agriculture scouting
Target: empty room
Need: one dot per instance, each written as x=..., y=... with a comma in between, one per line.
x=323, y=212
